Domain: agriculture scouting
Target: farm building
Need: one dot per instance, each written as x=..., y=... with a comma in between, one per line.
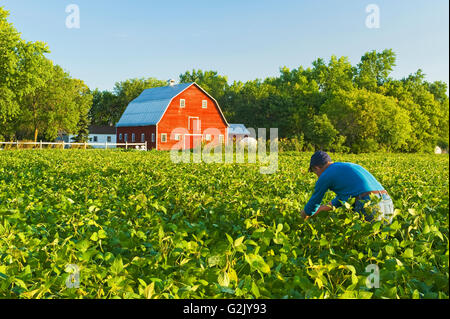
x=97, y=134
x=237, y=132
x=174, y=116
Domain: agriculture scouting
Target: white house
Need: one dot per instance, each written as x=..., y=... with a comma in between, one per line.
x=98, y=134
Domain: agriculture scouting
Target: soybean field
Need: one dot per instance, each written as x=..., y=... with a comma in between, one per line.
x=129, y=224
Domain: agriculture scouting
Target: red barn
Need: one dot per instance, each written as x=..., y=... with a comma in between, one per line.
x=174, y=116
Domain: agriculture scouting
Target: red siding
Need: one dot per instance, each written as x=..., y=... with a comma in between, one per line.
x=176, y=117
x=138, y=130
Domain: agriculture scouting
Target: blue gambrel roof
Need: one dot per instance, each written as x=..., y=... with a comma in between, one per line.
x=149, y=107
x=238, y=129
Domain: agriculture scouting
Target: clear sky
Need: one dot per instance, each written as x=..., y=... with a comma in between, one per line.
x=242, y=39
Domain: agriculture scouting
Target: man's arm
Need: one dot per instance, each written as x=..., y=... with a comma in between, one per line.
x=313, y=205
x=323, y=208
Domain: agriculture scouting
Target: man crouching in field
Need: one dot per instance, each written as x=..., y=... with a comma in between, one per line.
x=347, y=180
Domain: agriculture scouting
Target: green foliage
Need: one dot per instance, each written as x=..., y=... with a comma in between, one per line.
x=370, y=121
x=20, y=71
x=56, y=106
x=338, y=107
x=322, y=134
x=296, y=144
x=374, y=69
x=83, y=130
x=105, y=108
x=108, y=107
x=337, y=75
x=36, y=97
x=139, y=226
x=333, y=106
x=428, y=110
x=9, y=39
x=128, y=90
x=210, y=81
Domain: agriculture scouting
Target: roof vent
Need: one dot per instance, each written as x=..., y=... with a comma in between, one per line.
x=171, y=82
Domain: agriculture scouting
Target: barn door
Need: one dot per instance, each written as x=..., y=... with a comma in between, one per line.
x=194, y=125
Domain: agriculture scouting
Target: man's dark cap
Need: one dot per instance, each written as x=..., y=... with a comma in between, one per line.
x=319, y=158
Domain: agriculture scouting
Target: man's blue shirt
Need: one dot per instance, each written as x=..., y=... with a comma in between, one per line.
x=346, y=180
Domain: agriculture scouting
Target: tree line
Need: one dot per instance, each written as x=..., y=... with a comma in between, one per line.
x=332, y=105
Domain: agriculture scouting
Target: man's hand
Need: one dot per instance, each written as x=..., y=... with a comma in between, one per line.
x=303, y=214
x=323, y=208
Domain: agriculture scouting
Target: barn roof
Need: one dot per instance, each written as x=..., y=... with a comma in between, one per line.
x=238, y=129
x=149, y=107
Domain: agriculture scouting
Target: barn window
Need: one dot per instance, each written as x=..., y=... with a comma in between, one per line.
x=220, y=138
x=95, y=139
x=133, y=138
x=182, y=103
x=126, y=137
x=208, y=137
x=120, y=136
x=108, y=139
x=163, y=137
x=153, y=137
x=143, y=137
x=204, y=104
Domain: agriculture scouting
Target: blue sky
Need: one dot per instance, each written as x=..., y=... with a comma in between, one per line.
x=242, y=39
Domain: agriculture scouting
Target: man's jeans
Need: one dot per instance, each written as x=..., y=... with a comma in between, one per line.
x=381, y=208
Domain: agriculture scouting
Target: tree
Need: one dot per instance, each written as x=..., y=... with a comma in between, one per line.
x=20, y=71
x=394, y=126
x=337, y=75
x=108, y=107
x=368, y=120
x=303, y=98
x=82, y=98
x=427, y=108
x=439, y=91
x=83, y=130
x=9, y=38
x=321, y=133
x=210, y=81
x=56, y=106
x=374, y=69
x=34, y=111
x=127, y=91
x=352, y=115
x=104, y=109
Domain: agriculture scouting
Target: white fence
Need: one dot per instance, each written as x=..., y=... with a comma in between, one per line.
x=63, y=145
